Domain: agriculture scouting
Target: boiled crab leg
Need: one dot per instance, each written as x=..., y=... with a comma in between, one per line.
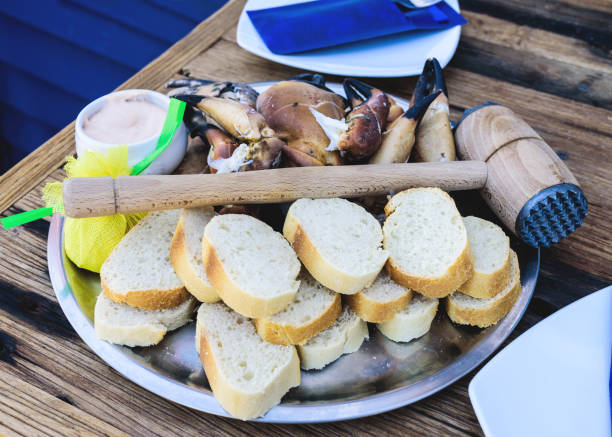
x=434, y=137
x=399, y=138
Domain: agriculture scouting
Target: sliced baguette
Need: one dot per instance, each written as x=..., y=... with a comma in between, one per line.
x=428, y=247
x=338, y=241
x=138, y=271
x=186, y=253
x=313, y=309
x=381, y=300
x=123, y=324
x=252, y=267
x=467, y=310
x=413, y=321
x=248, y=375
x=491, y=249
x=344, y=337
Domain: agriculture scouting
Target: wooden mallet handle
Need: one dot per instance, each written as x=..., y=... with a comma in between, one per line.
x=94, y=197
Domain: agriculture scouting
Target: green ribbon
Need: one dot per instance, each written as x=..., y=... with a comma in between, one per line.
x=174, y=117
x=173, y=120
x=25, y=217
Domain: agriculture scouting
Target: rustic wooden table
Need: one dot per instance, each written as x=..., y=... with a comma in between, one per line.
x=550, y=63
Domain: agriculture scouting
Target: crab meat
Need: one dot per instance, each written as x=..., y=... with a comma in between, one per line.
x=334, y=129
x=234, y=162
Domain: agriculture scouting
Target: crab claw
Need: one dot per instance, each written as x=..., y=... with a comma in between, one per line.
x=434, y=137
x=237, y=91
x=366, y=122
x=399, y=138
x=358, y=92
x=222, y=146
x=238, y=119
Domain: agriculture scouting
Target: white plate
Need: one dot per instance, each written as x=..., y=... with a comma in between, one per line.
x=553, y=380
x=389, y=56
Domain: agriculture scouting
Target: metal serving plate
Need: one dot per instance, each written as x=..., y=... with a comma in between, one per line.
x=382, y=375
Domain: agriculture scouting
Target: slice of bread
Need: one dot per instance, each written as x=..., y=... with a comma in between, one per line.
x=467, y=310
x=491, y=249
x=429, y=251
x=343, y=337
x=252, y=267
x=248, y=375
x=123, y=324
x=313, y=309
x=138, y=270
x=413, y=321
x=186, y=253
x=381, y=300
x=338, y=241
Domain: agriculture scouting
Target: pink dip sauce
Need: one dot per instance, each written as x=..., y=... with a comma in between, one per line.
x=124, y=120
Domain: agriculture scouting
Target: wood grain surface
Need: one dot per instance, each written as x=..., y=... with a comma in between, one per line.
x=549, y=62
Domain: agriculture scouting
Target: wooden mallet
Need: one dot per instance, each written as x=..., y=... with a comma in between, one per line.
x=520, y=177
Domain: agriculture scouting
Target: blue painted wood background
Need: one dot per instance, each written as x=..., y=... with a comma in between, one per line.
x=58, y=55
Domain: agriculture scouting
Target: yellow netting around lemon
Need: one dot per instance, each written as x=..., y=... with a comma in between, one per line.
x=89, y=241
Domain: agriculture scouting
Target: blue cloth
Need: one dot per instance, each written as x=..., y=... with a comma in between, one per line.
x=324, y=23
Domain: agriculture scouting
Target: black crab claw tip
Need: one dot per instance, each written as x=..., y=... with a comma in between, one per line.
x=439, y=83
x=195, y=122
x=418, y=108
x=357, y=90
x=315, y=79
x=423, y=84
x=192, y=99
x=191, y=83
x=430, y=81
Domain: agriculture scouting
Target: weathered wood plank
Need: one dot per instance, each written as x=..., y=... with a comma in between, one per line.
x=575, y=20
x=29, y=172
x=542, y=43
x=45, y=414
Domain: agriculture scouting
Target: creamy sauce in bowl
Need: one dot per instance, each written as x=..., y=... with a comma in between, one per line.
x=125, y=119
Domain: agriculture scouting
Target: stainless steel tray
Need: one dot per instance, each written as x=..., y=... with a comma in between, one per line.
x=380, y=376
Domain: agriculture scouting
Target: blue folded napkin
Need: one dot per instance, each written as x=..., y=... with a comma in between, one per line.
x=324, y=23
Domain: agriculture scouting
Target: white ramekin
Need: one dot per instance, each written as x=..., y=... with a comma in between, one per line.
x=163, y=164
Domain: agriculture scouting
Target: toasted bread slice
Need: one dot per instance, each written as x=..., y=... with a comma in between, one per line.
x=138, y=270
x=344, y=337
x=412, y=322
x=186, y=253
x=252, y=267
x=428, y=247
x=248, y=375
x=380, y=301
x=467, y=310
x=123, y=324
x=313, y=309
x=338, y=241
x=491, y=249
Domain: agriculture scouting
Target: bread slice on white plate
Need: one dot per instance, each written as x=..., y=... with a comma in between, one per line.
x=344, y=337
x=138, y=270
x=412, y=322
x=381, y=300
x=428, y=247
x=248, y=375
x=339, y=242
x=252, y=267
x=467, y=310
x=123, y=324
x=491, y=249
x=313, y=309
x=186, y=253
